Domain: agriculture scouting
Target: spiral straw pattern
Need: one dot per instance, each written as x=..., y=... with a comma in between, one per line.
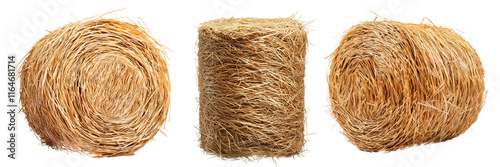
x=394, y=85
x=98, y=87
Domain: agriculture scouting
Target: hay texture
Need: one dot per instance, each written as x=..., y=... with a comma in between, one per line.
x=394, y=85
x=98, y=87
x=251, y=84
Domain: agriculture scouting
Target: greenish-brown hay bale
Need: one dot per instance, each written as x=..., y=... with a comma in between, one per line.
x=251, y=83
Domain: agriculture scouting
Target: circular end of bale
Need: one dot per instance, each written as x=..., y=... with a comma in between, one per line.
x=394, y=85
x=98, y=87
x=251, y=83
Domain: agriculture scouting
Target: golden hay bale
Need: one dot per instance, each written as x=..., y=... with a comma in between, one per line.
x=251, y=83
x=394, y=85
x=99, y=87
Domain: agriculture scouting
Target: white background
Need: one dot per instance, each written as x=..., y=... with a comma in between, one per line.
x=175, y=23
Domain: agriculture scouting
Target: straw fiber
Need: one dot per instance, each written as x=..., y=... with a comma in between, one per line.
x=251, y=83
x=395, y=85
x=98, y=87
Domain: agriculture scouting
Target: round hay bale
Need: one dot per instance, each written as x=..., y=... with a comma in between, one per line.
x=98, y=87
x=394, y=85
x=251, y=84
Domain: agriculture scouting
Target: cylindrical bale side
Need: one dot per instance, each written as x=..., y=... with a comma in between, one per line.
x=251, y=84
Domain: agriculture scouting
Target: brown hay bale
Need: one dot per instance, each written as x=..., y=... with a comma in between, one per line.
x=394, y=85
x=251, y=83
x=97, y=87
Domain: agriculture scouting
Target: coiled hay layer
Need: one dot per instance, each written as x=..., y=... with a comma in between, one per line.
x=251, y=83
x=394, y=85
x=98, y=87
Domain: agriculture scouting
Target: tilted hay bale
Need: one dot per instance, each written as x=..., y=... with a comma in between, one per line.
x=97, y=87
x=394, y=85
x=251, y=83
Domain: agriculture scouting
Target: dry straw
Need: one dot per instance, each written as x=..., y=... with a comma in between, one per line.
x=97, y=87
x=251, y=83
x=394, y=85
